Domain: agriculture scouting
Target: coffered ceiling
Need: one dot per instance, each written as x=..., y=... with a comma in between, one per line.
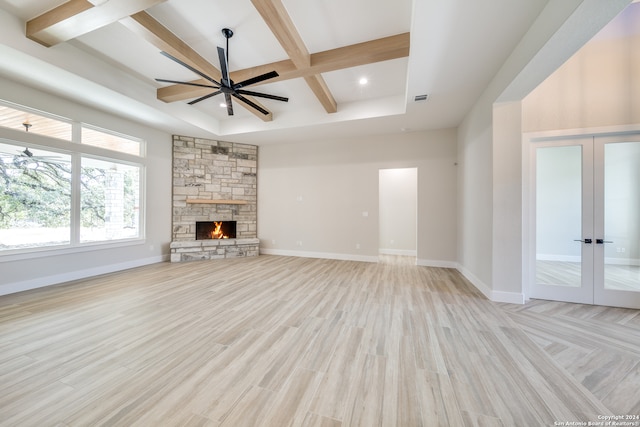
x=106, y=53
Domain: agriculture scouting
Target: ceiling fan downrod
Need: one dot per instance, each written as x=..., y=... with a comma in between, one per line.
x=228, y=33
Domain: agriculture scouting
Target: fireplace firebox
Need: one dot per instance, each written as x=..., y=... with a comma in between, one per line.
x=215, y=230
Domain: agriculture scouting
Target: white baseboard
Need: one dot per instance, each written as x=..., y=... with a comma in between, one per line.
x=11, y=288
x=495, y=296
x=323, y=255
x=508, y=297
x=402, y=252
x=559, y=258
x=436, y=263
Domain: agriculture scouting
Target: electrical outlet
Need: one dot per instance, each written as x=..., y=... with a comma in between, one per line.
x=299, y=243
x=357, y=245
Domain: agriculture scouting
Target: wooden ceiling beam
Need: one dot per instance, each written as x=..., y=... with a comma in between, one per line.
x=278, y=20
x=77, y=17
x=384, y=49
x=158, y=35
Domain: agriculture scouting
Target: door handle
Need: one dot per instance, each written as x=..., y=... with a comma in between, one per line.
x=602, y=241
x=587, y=241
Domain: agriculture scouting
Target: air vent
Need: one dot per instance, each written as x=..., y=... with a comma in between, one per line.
x=420, y=98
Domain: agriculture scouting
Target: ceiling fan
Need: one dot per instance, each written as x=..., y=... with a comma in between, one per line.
x=227, y=86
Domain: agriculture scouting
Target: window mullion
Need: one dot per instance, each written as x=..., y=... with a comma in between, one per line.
x=76, y=165
x=75, y=198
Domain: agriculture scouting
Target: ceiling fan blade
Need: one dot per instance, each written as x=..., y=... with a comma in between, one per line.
x=250, y=103
x=186, y=83
x=224, y=66
x=227, y=98
x=257, y=79
x=202, y=98
x=262, y=95
x=189, y=67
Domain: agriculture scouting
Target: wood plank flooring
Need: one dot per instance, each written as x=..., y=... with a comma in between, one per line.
x=283, y=341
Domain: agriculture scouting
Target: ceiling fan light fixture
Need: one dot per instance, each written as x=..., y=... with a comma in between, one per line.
x=226, y=86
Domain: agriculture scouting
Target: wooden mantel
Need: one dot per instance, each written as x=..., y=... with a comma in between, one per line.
x=217, y=201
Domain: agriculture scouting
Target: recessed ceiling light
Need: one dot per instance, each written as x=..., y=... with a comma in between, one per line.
x=363, y=81
x=223, y=105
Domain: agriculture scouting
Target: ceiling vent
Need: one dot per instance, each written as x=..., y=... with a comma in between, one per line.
x=420, y=98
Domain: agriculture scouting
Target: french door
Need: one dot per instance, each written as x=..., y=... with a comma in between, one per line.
x=587, y=221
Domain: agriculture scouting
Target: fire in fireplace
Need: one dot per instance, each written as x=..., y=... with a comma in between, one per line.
x=215, y=230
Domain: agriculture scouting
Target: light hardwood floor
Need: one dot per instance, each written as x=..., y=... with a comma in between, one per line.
x=279, y=341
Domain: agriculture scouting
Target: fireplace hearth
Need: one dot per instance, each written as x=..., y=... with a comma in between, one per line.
x=215, y=230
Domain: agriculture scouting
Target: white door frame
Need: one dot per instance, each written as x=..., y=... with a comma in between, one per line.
x=615, y=134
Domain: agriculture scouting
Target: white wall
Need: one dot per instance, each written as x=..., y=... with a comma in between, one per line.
x=398, y=206
x=597, y=87
x=53, y=267
x=489, y=145
x=312, y=196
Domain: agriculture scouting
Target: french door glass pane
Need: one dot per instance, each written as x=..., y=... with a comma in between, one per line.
x=622, y=216
x=559, y=216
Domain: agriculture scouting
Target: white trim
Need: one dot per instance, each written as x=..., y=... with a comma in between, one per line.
x=401, y=252
x=494, y=296
x=436, y=263
x=46, y=251
x=479, y=284
x=324, y=255
x=559, y=258
x=508, y=297
x=42, y=282
x=616, y=130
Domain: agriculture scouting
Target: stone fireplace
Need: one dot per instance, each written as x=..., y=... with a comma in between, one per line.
x=214, y=182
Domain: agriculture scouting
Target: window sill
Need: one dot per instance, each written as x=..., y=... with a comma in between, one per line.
x=32, y=253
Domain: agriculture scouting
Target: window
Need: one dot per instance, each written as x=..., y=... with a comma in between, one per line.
x=59, y=194
x=110, y=200
x=25, y=119
x=35, y=203
x=110, y=141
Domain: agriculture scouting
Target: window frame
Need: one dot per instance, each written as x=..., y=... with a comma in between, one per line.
x=77, y=151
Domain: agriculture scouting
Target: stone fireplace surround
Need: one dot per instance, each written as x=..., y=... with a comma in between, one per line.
x=213, y=181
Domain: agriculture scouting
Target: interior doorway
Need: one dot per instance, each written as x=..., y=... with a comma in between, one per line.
x=398, y=206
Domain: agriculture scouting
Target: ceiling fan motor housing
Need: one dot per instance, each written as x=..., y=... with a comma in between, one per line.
x=227, y=33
